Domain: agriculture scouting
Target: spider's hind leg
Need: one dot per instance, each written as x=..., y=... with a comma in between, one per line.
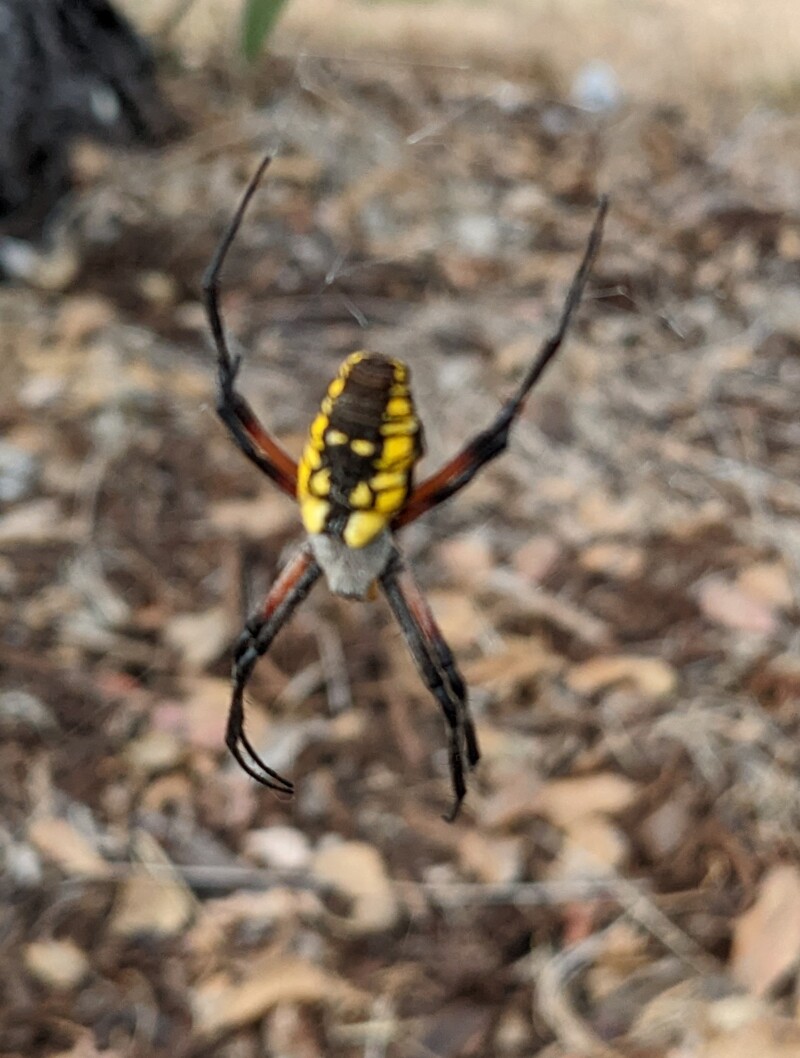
x=438, y=669
x=291, y=587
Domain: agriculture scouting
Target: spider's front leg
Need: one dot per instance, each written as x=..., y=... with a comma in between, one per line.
x=257, y=443
x=289, y=590
x=437, y=668
x=492, y=441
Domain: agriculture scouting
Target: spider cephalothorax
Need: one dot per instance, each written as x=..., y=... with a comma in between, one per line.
x=354, y=484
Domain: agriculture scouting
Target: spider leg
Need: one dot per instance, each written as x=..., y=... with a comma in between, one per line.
x=286, y=594
x=437, y=668
x=489, y=443
x=242, y=422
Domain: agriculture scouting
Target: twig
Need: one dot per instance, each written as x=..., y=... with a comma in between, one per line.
x=553, y=1002
x=334, y=667
x=541, y=603
x=525, y=894
x=634, y=898
x=381, y=1028
x=174, y=17
x=642, y=909
x=217, y=878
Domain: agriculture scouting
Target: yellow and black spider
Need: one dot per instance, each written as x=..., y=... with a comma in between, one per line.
x=354, y=485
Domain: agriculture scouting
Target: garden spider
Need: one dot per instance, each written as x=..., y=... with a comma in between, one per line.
x=354, y=487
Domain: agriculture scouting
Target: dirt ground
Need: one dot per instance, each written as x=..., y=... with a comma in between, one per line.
x=621, y=590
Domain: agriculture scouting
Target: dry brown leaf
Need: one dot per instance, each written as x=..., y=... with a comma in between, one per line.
x=592, y=848
x=58, y=841
x=218, y=919
x=600, y=513
x=158, y=288
x=765, y=1037
x=289, y=1030
x=650, y=676
x=151, y=906
x=153, y=900
x=538, y=557
x=514, y=800
x=766, y=938
x=521, y=658
x=624, y=953
x=221, y=1003
x=155, y=751
x=619, y=561
x=39, y=521
x=199, y=637
x=80, y=316
x=505, y=747
x=676, y=1014
x=200, y=720
x=768, y=582
x=513, y=1034
x=495, y=860
x=468, y=556
x=282, y=847
x=728, y=605
x=789, y=244
x=460, y=621
x=564, y=801
x=522, y=598
x=57, y=964
x=258, y=519
x=356, y=870
x=85, y=1046
x=52, y=270
x=168, y=793
x=663, y=830
x=455, y=1029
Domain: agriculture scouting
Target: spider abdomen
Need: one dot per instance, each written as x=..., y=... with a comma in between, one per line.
x=356, y=468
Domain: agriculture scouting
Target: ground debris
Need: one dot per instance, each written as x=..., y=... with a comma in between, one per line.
x=620, y=590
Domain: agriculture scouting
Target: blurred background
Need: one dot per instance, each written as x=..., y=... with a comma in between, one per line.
x=620, y=590
x=667, y=50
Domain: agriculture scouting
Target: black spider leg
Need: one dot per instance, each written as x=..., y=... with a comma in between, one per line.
x=232, y=408
x=437, y=668
x=286, y=594
x=489, y=443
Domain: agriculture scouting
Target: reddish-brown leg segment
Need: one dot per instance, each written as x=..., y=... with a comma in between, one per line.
x=437, y=668
x=286, y=594
x=488, y=444
x=248, y=433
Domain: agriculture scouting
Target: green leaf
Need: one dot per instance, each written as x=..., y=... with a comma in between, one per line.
x=258, y=20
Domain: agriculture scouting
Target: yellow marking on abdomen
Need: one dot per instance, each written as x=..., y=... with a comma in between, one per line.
x=388, y=480
x=399, y=427
x=318, y=428
x=397, y=453
x=390, y=501
x=315, y=513
x=362, y=528
x=362, y=447
x=399, y=408
x=312, y=457
x=361, y=497
x=333, y=483
x=319, y=484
